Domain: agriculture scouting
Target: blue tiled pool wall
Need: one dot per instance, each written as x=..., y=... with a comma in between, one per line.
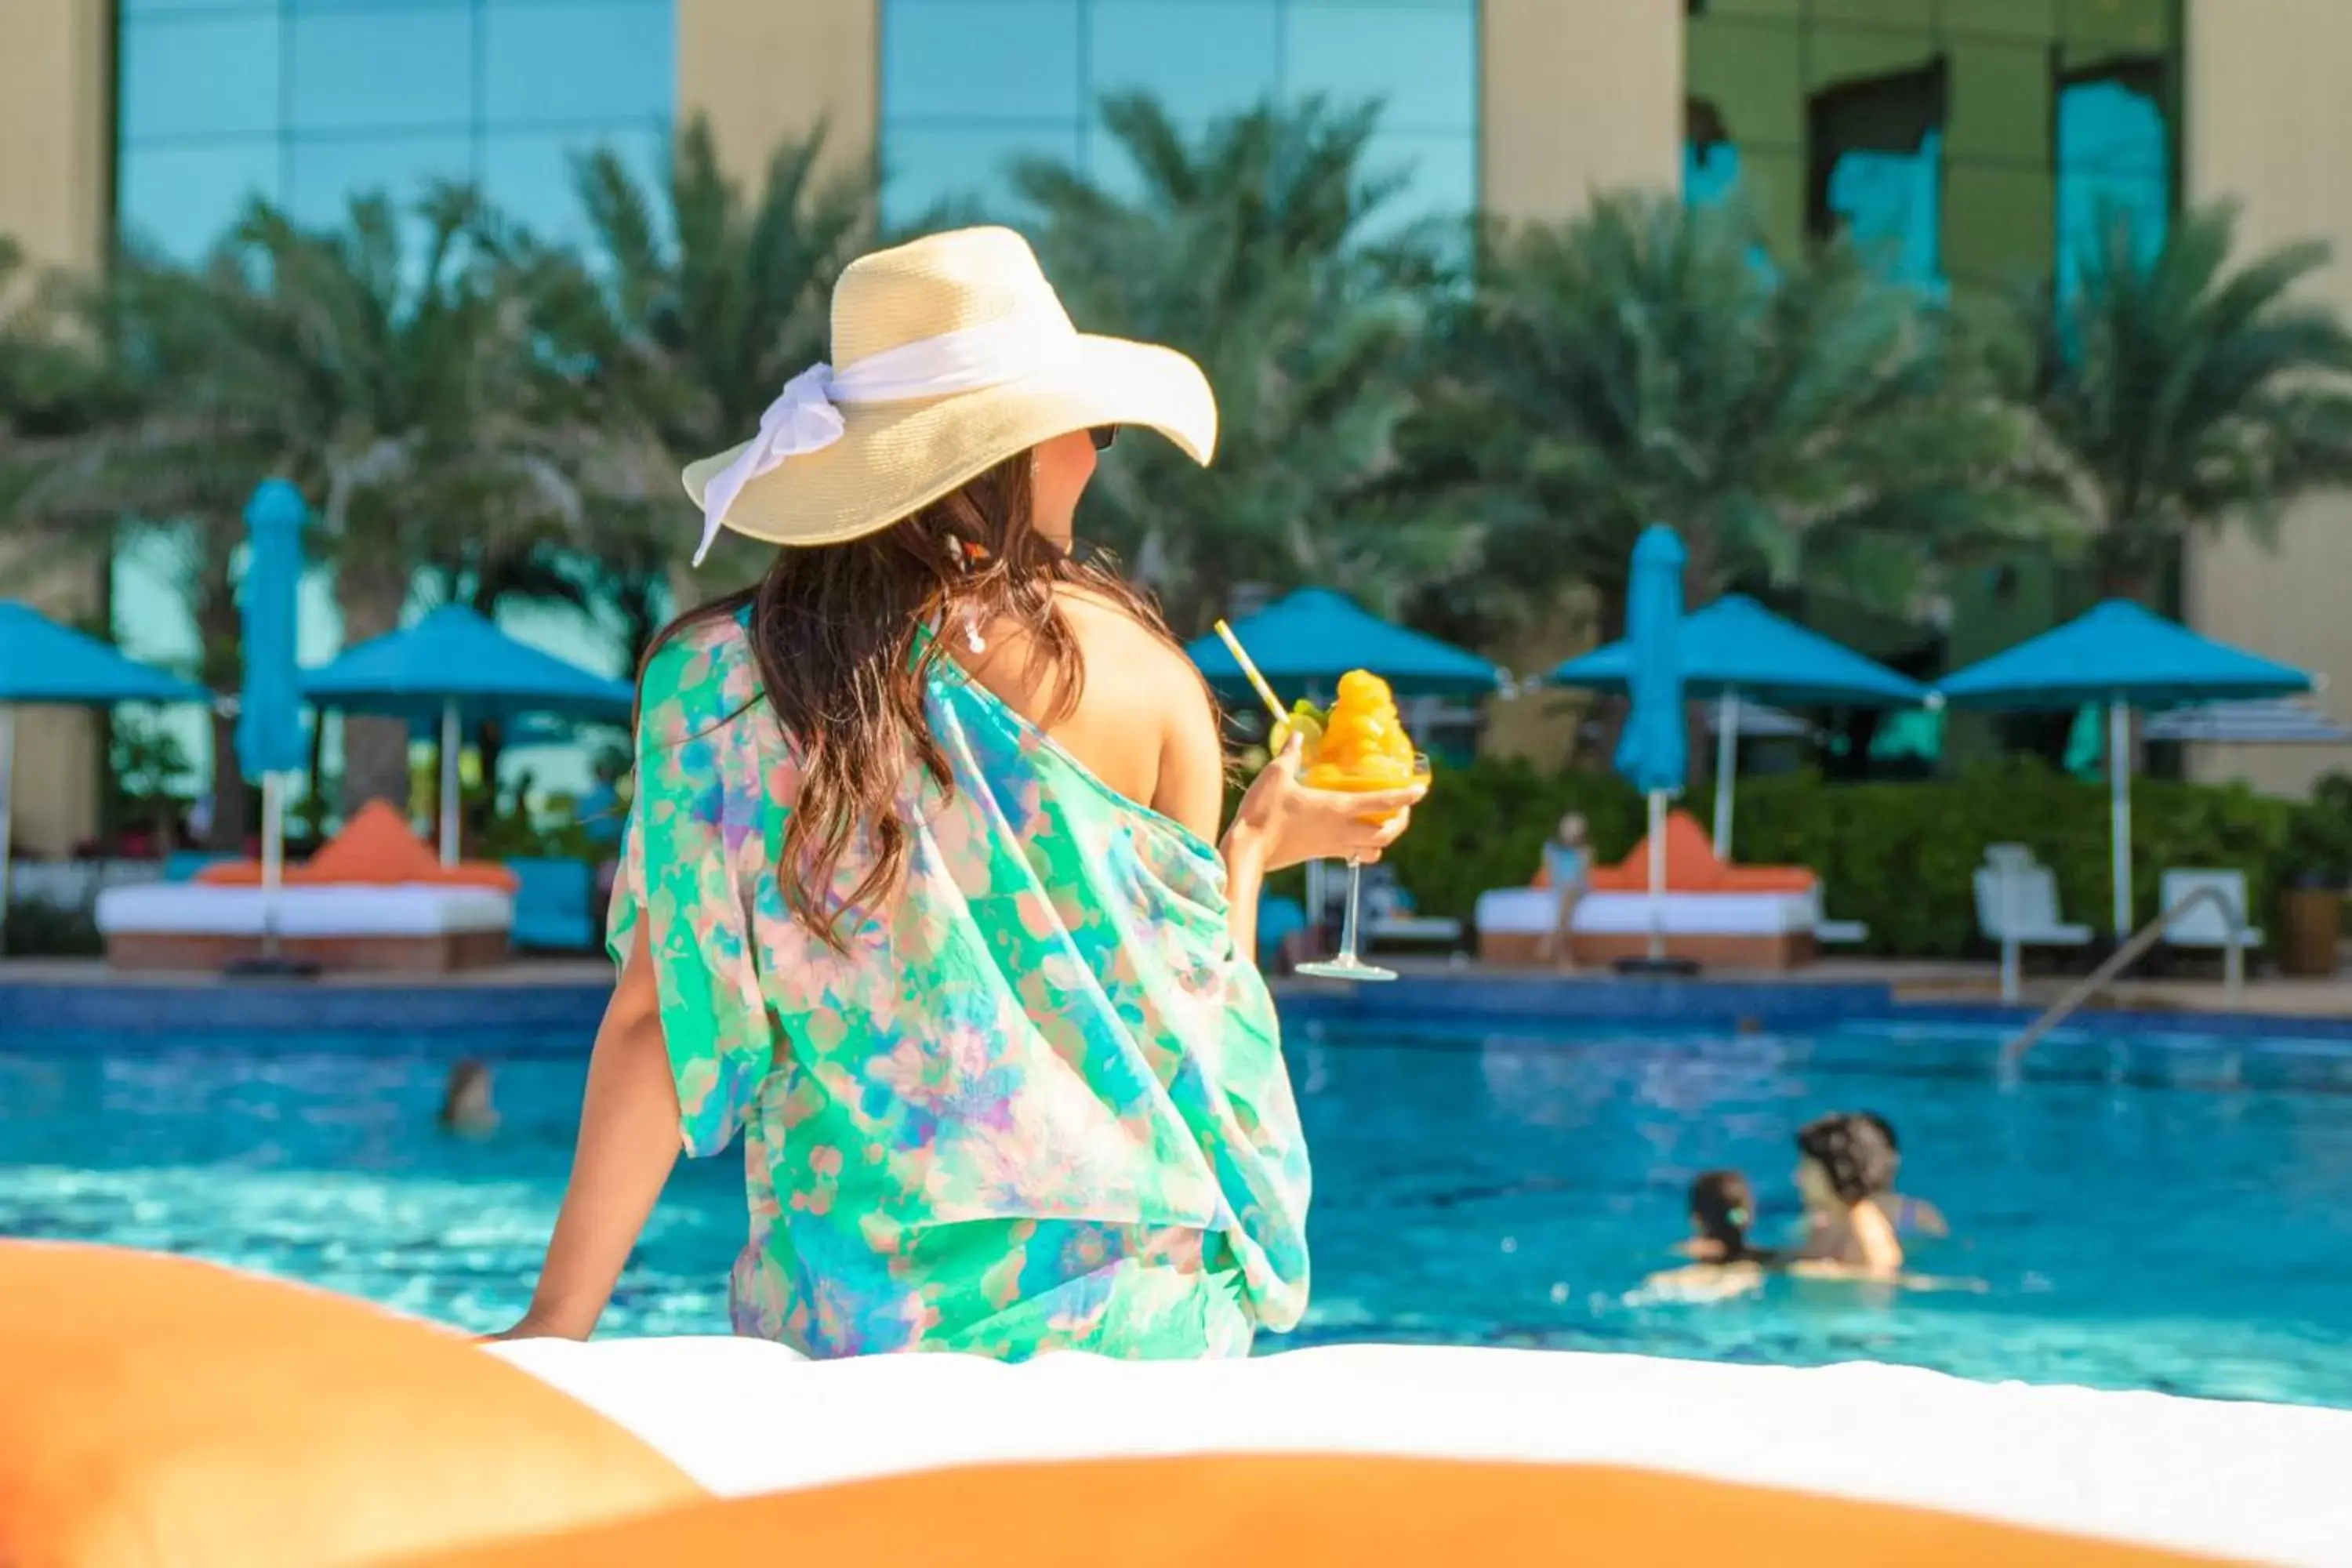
x=555, y=1014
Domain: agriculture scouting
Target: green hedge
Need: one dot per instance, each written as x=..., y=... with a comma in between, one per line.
x=1895, y=856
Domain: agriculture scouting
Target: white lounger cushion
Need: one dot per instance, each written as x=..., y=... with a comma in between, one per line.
x=2252, y=1482
x=408, y=909
x=1522, y=912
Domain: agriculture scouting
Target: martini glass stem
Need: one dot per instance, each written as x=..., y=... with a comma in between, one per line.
x=1348, y=921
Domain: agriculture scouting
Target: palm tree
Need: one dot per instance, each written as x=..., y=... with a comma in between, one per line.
x=1796, y=417
x=420, y=400
x=700, y=302
x=1255, y=248
x=174, y=441
x=2179, y=393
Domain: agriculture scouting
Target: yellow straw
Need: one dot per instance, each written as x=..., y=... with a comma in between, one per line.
x=1273, y=703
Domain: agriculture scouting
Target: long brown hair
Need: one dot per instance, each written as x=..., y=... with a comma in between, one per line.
x=839, y=633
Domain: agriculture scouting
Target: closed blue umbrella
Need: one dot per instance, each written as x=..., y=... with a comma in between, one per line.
x=1305, y=642
x=1736, y=648
x=42, y=662
x=2125, y=657
x=270, y=742
x=270, y=735
x=456, y=664
x=1651, y=754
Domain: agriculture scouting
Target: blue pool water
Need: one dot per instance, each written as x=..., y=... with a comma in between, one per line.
x=2176, y=1217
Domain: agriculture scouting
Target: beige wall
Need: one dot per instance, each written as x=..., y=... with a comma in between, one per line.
x=1578, y=95
x=2268, y=122
x=56, y=157
x=766, y=70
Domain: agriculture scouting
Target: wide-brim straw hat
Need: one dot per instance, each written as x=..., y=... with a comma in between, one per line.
x=970, y=311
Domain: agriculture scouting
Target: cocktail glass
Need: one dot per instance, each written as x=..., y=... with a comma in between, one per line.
x=1349, y=965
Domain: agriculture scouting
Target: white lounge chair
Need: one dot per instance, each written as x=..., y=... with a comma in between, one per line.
x=2032, y=919
x=2209, y=925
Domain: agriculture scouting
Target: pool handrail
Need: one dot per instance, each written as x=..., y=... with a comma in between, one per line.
x=2234, y=968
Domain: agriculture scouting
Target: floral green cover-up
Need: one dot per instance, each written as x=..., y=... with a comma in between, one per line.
x=1040, y=1103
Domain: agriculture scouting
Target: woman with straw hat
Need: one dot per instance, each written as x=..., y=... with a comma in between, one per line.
x=923, y=892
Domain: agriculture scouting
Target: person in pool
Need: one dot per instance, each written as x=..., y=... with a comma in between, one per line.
x=923, y=893
x=466, y=1106
x=1908, y=1215
x=1845, y=1166
x=1568, y=871
x=1723, y=1261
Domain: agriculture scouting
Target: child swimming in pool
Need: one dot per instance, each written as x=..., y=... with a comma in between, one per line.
x=1723, y=1262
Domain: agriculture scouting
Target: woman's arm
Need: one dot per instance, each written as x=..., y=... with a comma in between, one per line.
x=628, y=1141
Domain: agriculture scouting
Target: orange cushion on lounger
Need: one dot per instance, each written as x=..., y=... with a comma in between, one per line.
x=160, y=1413
x=1364, y=1512
x=1692, y=868
x=375, y=848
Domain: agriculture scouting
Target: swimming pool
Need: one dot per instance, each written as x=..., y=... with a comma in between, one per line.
x=2169, y=1215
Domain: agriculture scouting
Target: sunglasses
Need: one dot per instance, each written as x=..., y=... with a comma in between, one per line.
x=1103, y=435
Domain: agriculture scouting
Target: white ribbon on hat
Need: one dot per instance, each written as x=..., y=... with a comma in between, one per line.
x=806, y=416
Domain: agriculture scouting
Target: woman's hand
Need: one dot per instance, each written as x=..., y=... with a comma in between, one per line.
x=533, y=1326
x=1282, y=823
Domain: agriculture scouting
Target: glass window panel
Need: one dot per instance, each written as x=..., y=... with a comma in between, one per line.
x=1840, y=55
x=2001, y=101
x=2107, y=125
x=324, y=174
x=925, y=166
x=2012, y=18
x=200, y=75
x=1423, y=64
x=2089, y=198
x=1755, y=77
x=1890, y=204
x=1710, y=176
x=1999, y=221
x=528, y=174
x=578, y=61
x=2144, y=23
x=380, y=70
x=183, y=199
x=1010, y=60
x=1440, y=172
x=1201, y=59
x=1913, y=15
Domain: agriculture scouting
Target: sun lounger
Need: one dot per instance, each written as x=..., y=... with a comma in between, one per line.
x=2032, y=919
x=1746, y=916
x=404, y=929
x=1834, y=933
x=2208, y=925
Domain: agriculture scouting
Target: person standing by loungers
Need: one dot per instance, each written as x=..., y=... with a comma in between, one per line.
x=1568, y=871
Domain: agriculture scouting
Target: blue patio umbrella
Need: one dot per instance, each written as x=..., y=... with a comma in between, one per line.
x=456, y=664
x=270, y=742
x=1651, y=753
x=1736, y=648
x=2124, y=656
x=1305, y=642
x=42, y=662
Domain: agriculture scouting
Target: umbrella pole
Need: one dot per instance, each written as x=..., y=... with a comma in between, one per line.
x=1658, y=875
x=7, y=810
x=1727, y=758
x=450, y=741
x=2119, y=812
x=273, y=858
